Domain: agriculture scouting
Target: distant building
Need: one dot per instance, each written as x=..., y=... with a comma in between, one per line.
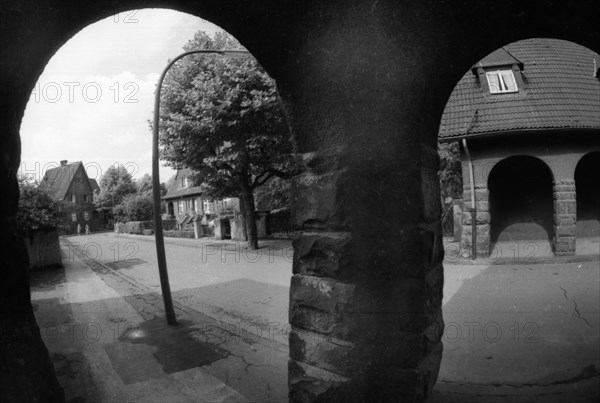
x=184, y=199
x=527, y=118
x=69, y=182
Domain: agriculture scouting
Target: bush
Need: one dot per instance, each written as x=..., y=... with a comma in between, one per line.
x=147, y=232
x=169, y=225
x=135, y=208
x=133, y=227
x=179, y=234
x=38, y=210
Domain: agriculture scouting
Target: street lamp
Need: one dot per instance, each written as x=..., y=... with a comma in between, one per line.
x=158, y=232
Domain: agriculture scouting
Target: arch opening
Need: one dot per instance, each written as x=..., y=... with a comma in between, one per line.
x=588, y=195
x=521, y=207
x=90, y=109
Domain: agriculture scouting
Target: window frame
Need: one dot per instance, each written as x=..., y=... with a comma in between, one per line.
x=501, y=81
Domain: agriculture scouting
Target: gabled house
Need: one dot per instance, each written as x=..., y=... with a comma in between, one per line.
x=70, y=183
x=527, y=118
x=184, y=199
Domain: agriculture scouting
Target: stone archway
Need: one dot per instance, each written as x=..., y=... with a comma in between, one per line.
x=366, y=84
x=588, y=195
x=521, y=201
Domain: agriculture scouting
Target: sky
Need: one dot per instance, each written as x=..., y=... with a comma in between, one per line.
x=95, y=97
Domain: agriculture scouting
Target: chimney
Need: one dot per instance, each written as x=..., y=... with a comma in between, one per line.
x=63, y=163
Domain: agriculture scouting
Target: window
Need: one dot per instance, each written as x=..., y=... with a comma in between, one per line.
x=73, y=198
x=85, y=198
x=86, y=215
x=74, y=217
x=501, y=81
x=181, y=207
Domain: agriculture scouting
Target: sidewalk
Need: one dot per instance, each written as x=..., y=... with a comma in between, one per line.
x=523, y=252
x=273, y=243
x=110, y=342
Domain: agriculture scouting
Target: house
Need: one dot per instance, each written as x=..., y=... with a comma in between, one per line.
x=527, y=118
x=69, y=182
x=182, y=198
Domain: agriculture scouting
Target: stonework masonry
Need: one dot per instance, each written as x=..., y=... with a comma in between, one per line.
x=482, y=221
x=364, y=85
x=565, y=217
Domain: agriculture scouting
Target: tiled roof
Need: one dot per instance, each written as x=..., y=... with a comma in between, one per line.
x=94, y=185
x=57, y=180
x=562, y=92
x=175, y=191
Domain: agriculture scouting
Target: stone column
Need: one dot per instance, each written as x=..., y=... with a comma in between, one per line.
x=482, y=222
x=365, y=297
x=565, y=217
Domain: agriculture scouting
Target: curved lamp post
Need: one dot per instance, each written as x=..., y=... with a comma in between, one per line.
x=158, y=232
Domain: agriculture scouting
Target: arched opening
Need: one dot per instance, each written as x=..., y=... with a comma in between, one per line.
x=303, y=41
x=520, y=192
x=90, y=110
x=519, y=209
x=588, y=195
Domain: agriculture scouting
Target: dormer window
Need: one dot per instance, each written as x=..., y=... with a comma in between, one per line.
x=501, y=81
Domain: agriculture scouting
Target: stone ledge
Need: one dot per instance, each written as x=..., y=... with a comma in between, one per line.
x=328, y=353
x=307, y=383
x=320, y=293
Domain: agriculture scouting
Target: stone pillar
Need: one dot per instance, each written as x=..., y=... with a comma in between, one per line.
x=457, y=208
x=365, y=297
x=197, y=229
x=565, y=217
x=482, y=221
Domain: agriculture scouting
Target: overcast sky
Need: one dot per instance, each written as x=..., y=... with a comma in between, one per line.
x=93, y=101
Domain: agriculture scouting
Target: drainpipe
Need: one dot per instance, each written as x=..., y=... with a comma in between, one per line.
x=473, y=210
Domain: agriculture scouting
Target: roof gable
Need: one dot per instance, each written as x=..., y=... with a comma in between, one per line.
x=57, y=181
x=562, y=93
x=175, y=190
x=498, y=58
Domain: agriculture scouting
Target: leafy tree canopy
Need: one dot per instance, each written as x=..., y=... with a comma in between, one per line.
x=144, y=186
x=450, y=170
x=115, y=184
x=37, y=209
x=134, y=207
x=222, y=117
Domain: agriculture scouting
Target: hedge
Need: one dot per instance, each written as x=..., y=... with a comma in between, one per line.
x=179, y=234
x=140, y=227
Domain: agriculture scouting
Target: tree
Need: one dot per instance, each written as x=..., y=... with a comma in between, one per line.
x=115, y=184
x=134, y=207
x=274, y=194
x=38, y=211
x=222, y=118
x=144, y=185
x=450, y=170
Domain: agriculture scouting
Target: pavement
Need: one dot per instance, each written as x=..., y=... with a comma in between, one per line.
x=513, y=332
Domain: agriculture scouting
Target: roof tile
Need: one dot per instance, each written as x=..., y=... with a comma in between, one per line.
x=561, y=92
